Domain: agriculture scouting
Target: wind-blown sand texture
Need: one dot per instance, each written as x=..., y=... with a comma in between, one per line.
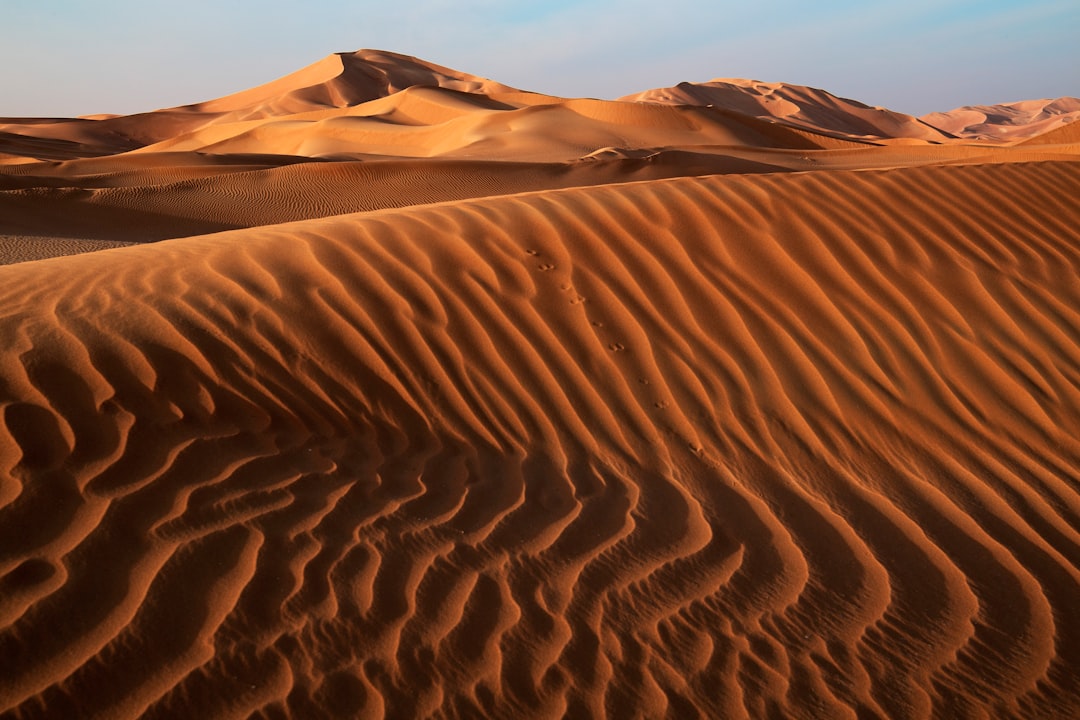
x=456, y=401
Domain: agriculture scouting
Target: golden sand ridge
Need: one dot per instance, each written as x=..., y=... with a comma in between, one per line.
x=405, y=393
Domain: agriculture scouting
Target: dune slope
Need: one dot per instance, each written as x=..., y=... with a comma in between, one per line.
x=1008, y=121
x=337, y=81
x=798, y=106
x=744, y=446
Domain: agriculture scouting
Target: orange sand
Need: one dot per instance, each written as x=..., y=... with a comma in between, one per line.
x=447, y=399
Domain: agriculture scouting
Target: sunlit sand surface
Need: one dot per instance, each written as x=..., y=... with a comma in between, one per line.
x=404, y=393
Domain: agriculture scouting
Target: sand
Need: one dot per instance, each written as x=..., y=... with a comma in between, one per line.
x=1008, y=121
x=408, y=394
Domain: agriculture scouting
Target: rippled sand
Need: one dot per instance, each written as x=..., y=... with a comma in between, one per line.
x=775, y=424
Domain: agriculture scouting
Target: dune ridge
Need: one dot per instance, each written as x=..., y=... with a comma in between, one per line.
x=337, y=81
x=805, y=107
x=344, y=80
x=818, y=110
x=1014, y=121
x=339, y=85
x=701, y=446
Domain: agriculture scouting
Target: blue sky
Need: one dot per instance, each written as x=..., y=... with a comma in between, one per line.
x=74, y=57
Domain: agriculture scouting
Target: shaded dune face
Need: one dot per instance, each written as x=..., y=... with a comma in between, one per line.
x=795, y=445
x=124, y=207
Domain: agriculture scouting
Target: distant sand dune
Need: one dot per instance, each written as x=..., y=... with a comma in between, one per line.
x=797, y=106
x=1009, y=121
x=143, y=197
x=339, y=80
x=345, y=79
x=213, y=198
x=726, y=446
x=435, y=122
x=1064, y=135
x=817, y=110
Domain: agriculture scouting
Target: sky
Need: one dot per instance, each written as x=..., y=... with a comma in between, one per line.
x=62, y=58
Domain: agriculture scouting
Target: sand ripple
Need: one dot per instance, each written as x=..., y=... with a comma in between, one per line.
x=754, y=446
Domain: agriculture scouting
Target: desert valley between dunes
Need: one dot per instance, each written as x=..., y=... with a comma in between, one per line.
x=393, y=391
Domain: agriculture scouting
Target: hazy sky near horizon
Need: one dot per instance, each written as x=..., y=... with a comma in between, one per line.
x=78, y=57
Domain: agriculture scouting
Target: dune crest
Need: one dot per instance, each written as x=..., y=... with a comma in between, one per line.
x=443, y=399
x=336, y=81
x=342, y=80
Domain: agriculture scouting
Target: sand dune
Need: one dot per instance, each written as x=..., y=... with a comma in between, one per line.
x=450, y=400
x=433, y=122
x=196, y=194
x=1064, y=135
x=823, y=112
x=461, y=455
x=1008, y=121
x=340, y=80
x=255, y=197
x=797, y=105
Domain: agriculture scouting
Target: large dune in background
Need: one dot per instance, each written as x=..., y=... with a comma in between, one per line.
x=447, y=399
x=338, y=80
x=796, y=105
x=1008, y=121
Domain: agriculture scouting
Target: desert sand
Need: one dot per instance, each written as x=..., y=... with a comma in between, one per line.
x=404, y=393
